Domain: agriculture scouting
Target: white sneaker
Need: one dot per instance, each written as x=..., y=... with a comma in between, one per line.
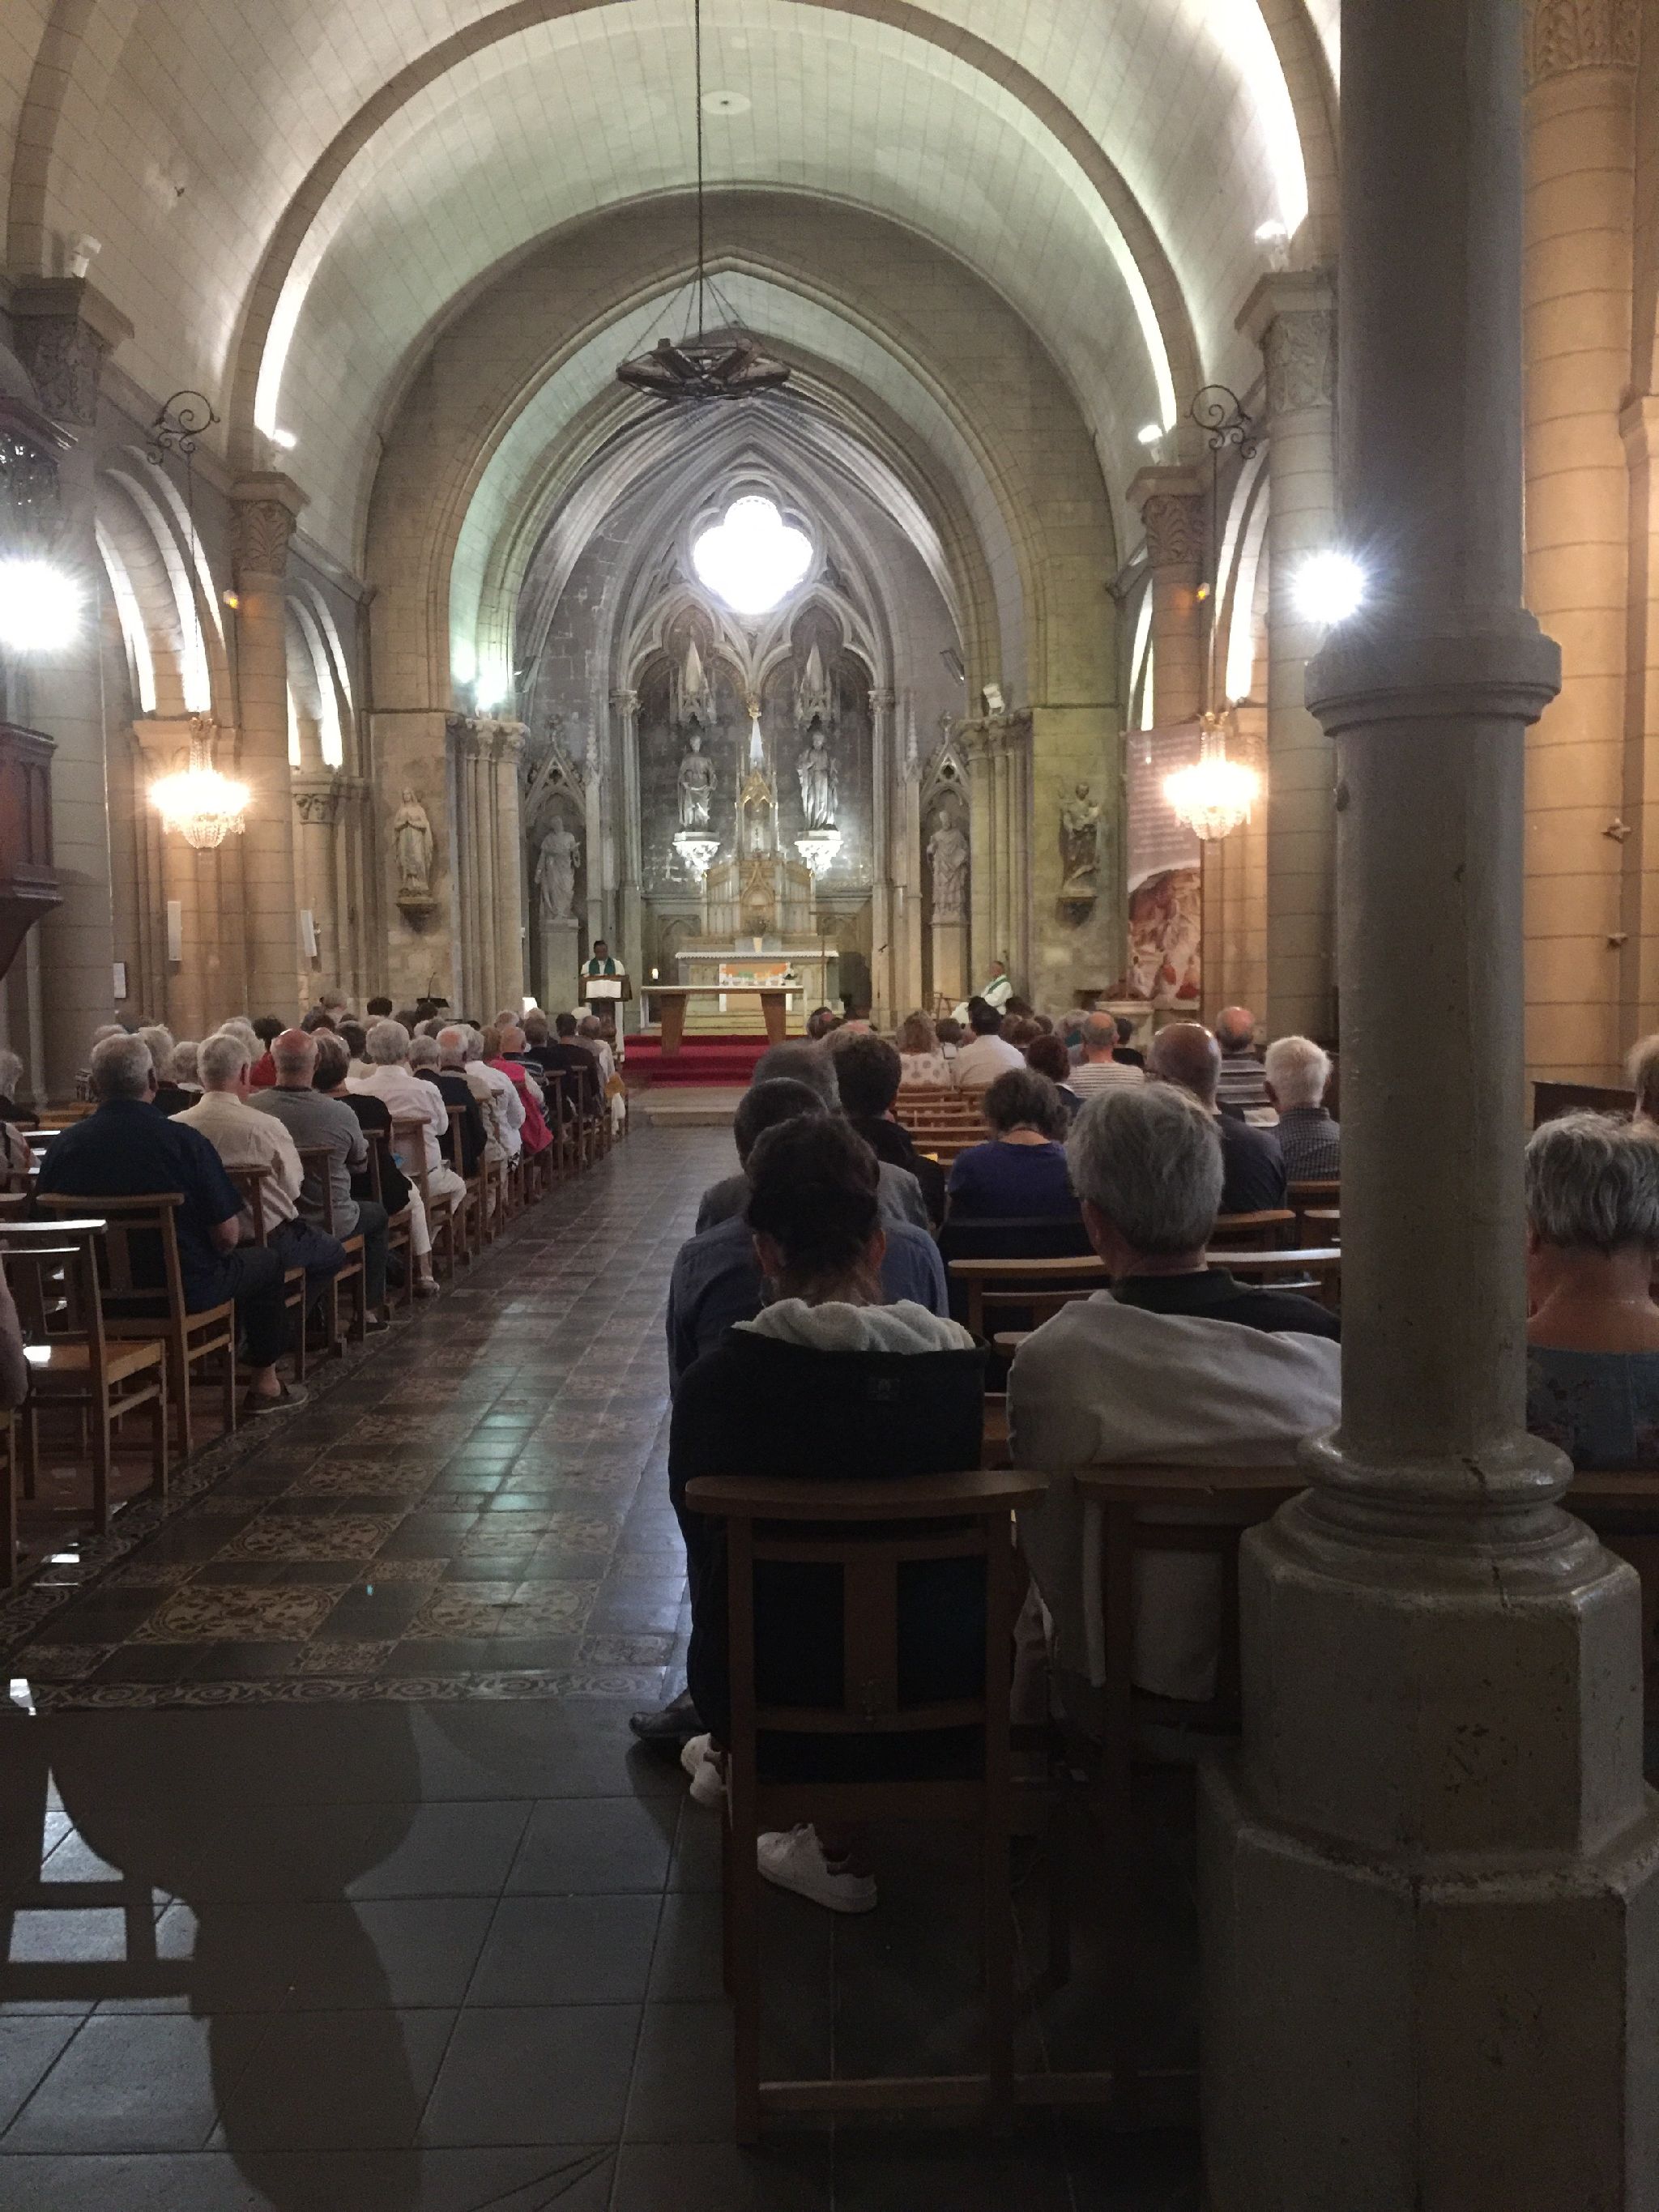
x=793, y=1859
x=698, y=1758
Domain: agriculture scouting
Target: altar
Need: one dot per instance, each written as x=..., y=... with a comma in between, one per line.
x=729, y=977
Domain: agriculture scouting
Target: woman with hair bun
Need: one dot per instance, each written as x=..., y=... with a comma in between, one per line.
x=825, y=1383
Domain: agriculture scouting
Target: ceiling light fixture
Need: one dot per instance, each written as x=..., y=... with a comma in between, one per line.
x=204, y=806
x=1327, y=587
x=700, y=365
x=1215, y=795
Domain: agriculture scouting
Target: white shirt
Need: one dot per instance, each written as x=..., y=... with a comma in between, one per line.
x=1104, y=1384
x=407, y=1098
x=503, y=1108
x=982, y=1060
x=243, y=1137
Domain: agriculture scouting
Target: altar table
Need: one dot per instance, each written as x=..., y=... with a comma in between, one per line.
x=671, y=1006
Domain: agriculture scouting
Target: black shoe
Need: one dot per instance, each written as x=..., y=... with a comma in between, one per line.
x=669, y=1727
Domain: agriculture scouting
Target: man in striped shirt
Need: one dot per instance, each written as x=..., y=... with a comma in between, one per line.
x=1244, y=1079
x=1100, y=1069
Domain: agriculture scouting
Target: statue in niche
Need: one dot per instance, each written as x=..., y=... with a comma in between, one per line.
x=817, y=770
x=555, y=872
x=1079, y=845
x=947, y=854
x=411, y=844
x=697, y=785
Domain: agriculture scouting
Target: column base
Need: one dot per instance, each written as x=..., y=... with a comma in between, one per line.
x=1429, y=1880
x=951, y=961
x=1480, y=2039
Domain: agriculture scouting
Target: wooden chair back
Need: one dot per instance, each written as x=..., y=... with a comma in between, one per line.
x=1253, y=1232
x=138, y=1257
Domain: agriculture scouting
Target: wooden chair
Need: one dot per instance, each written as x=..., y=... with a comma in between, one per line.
x=1253, y=1232
x=73, y=1363
x=144, y=1294
x=317, y=1160
x=1316, y=1192
x=868, y=1531
x=473, y=1209
x=995, y=1286
x=251, y=1183
x=399, y=1236
x=409, y=1145
x=8, y=1501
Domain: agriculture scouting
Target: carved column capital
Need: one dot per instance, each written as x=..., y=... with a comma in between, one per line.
x=625, y=702
x=317, y=799
x=1174, y=508
x=65, y=332
x=1563, y=35
x=265, y=510
x=507, y=740
x=1292, y=316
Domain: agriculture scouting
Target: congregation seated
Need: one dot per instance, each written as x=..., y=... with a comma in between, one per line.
x=183, y=1080
x=317, y=1122
x=950, y=1033
x=1126, y=1051
x=1098, y=1067
x=503, y=1045
x=1298, y=1073
x=820, y=1023
x=1178, y=1362
x=901, y=1197
x=1641, y=1066
x=395, y=1192
x=717, y=1280
x=1244, y=1082
x=1592, y=1184
x=562, y=1054
x=1020, y=1173
x=126, y=1150
x=430, y=1061
x=826, y=1382
x=243, y=1137
x=355, y=1037
x=1047, y=1055
x=987, y=1053
x=496, y=1094
x=11, y=1083
x=1252, y=1166
x=392, y=1080
x=263, y=1074
x=867, y=1076
x=921, y=1061
x=170, y=1098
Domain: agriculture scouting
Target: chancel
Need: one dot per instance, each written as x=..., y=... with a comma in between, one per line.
x=829, y=1085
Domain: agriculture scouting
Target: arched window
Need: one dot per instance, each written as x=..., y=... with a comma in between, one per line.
x=752, y=559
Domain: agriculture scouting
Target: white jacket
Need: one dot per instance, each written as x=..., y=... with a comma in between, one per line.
x=1105, y=1384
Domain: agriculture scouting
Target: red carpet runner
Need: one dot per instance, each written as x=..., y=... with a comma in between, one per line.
x=699, y=1060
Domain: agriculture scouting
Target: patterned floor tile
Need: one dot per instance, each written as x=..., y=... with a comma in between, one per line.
x=277, y=1535
x=232, y=1615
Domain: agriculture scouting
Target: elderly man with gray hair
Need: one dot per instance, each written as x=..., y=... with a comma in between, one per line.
x=317, y=1122
x=1309, y=1141
x=127, y=1150
x=1100, y=1068
x=1178, y=1362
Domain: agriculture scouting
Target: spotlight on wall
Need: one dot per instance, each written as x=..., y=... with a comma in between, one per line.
x=285, y=439
x=39, y=606
x=1148, y=433
x=1327, y=587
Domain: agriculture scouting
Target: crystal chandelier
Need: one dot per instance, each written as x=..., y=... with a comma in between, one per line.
x=200, y=804
x=1215, y=795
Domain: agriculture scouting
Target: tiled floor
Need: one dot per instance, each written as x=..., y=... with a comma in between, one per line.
x=331, y=1882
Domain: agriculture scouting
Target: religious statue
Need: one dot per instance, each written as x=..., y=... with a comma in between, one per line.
x=1079, y=845
x=411, y=843
x=555, y=872
x=947, y=852
x=816, y=770
x=696, y=786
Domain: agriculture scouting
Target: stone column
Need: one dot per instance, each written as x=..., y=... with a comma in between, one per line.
x=983, y=948
x=625, y=711
x=1431, y=1948
x=883, y=950
x=1638, y=830
x=64, y=332
x=264, y=512
x=317, y=807
x=1174, y=505
x=1580, y=74
x=508, y=743
x=907, y=869
x=1292, y=317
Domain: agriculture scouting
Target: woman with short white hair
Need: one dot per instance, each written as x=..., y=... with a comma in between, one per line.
x=498, y=1100
x=1592, y=1240
x=392, y=1078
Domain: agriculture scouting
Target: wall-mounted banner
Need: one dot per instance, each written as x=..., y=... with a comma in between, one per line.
x=1163, y=873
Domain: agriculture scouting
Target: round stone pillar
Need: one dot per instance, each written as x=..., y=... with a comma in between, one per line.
x=630, y=927
x=1580, y=74
x=1430, y=1918
x=1292, y=316
x=265, y=510
x=65, y=332
x=1174, y=506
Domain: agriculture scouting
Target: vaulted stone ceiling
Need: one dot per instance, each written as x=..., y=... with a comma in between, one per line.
x=290, y=201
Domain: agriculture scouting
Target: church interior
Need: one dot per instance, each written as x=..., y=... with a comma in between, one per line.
x=734, y=518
